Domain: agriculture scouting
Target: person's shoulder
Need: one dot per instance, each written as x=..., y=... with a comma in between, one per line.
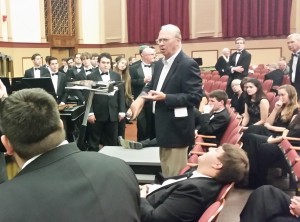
x=246, y=52
x=264, y=101
x=93, y=73
x=28, y=70
x=135, y=65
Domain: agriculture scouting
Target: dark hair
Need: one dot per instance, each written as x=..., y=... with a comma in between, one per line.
x=259, y=93
x=30, y=120
x=35, y=55
x=239, y=38
x=95, y=55
x=243, y=82
x=118, y=58
x=219, y=95
x=47, y=59
x=85, y=55
x=105, y=55
x=235, y=164
x=70, y=58
x=51, y=59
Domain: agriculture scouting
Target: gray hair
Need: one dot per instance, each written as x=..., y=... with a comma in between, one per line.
x=172, y=28
x=295, y=36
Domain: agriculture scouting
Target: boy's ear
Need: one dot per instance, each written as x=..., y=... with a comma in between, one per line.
x=217, y=166
x=6, y=143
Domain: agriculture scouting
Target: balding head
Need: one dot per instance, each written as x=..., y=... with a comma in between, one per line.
x=169, y=40
x=226, y=52
x=148, y=55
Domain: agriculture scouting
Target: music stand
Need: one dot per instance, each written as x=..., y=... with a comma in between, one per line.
x=6, y=82
x=44, y=83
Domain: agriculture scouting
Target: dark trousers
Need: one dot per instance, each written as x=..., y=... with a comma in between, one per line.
x=262, y=156
x=104, y=133
x=267, y=204
x=121, y=128
x=145, y=123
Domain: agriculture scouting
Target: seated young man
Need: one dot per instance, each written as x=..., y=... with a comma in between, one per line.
x=268, y=203
x=215, y=118
x=187, y=197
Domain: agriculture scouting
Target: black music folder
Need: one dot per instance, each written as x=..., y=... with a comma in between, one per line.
x=43, y=82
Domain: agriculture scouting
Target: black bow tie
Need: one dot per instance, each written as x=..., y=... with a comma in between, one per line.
x=296, y=54
x=55, y=74
x=37, y=68
x=88, y=70
x=104, y=73
x=239, y=52
x=149, y=66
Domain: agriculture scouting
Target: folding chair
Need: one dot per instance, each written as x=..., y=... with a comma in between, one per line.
x=208, y=85
x=215, y=77
x=216, y=85
x=212, y=212
x=225, y=191
x=224, y=78
x=267, y=85
x=215, y=72
x=272, y=104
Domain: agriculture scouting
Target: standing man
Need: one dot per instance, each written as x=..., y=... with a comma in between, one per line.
x=141, y=74
x=57, y=180
x=223, y=62
x=37, y=70
x=59, y=81
x=175, y=88
x=106, y=111
x=94, y=60
x=239, y=63
x=82, y=75
x=293, y=42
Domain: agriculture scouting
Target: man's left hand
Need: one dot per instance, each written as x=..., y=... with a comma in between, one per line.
x=155, y=95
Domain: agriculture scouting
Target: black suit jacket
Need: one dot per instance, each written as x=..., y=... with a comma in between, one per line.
x=137, y=78
x=81, y=94
x=29, y=73
x=61, y=88
x=183, y=88
x=296, y=83
x=212, y=124
x=65, y=184
x=106, y=108
x=222, y=66
x=244, y=61
x=181, y=201
x=276, y=75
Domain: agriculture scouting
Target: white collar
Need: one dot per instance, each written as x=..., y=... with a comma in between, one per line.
x=171, y=59
x=35, y=157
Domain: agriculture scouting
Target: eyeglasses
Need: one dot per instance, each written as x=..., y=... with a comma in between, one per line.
x=158, y=41
x=164, y=40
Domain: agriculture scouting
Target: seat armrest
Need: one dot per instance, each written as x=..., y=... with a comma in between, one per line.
x=206, y=144
x=197, y=152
